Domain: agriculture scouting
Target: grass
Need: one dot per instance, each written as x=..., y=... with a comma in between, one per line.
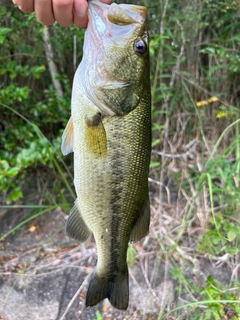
x=202, y=223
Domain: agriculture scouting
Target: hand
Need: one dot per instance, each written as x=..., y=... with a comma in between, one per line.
x=65, y=12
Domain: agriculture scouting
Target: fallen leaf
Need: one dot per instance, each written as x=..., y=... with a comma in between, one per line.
x=82, y=295
x=105, y=307
x=32, y=229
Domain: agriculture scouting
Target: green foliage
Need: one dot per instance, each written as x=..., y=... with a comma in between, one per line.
x=221, y=178
x=28, y=98
x=195, y=110
x=131, y=255
x=222, y=301
x=98, y=315
x=222, y=235
x=211, y=301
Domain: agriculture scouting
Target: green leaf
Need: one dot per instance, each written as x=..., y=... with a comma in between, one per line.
x=231, y=235
x=131, y=255
x=14, y=195
x=155, y=142
x=208, y=50
x=98, y=315
x=13, y=172
x=4, y=31
x=37, y=70
x=154, y=164
x=4, y=166
x=157, y=126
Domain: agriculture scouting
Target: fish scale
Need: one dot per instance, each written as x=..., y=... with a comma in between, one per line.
x=110, y=134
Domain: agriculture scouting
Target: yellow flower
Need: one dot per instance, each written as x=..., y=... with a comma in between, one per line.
x=206, y=102
x=213, y=99
x=201, y=103
x=221, y=114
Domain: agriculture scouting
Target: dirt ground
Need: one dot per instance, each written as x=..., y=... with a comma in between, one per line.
x=44, y=275
x=42, y=270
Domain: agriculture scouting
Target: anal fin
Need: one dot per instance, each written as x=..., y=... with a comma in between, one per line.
x=76, y=228
x=141, y=227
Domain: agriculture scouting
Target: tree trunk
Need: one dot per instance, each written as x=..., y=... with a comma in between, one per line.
x=51, y=64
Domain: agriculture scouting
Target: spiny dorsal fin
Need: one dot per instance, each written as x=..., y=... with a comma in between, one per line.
x=67, y=138
x=76, y=227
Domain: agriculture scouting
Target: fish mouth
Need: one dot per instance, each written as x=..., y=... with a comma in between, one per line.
x=110, y=19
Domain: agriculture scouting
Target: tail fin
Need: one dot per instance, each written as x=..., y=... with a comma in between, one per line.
x=114, y=287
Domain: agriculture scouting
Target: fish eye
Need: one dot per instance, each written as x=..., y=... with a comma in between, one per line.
x=140, y=46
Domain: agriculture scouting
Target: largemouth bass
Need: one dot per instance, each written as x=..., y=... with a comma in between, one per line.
x=110, y=134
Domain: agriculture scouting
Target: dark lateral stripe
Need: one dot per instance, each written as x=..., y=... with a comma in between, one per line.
x=116, y=199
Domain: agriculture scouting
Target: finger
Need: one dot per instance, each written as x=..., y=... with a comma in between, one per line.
x=81, y=22
x=25, y=5
x=80, y=13
x=106, y=1
x=63, y=12
x=44, y=12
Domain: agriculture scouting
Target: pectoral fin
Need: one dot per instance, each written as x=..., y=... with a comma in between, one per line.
x=141, y=227
x=67, y=138
x=76, y=227
x=96, y=138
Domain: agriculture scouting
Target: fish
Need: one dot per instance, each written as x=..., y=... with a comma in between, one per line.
x=109, y=132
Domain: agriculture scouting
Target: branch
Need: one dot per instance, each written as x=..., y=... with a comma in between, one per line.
x=51, y=64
